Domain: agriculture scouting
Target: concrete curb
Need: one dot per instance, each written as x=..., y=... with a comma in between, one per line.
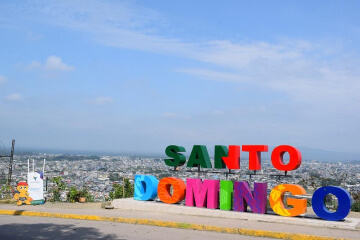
x=169, y=224
x=131, y=204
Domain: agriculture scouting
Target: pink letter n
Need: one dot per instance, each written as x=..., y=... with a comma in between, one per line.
x=256, y=199
x=204, y=194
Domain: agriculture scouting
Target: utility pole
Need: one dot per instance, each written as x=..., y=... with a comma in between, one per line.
x=123, y=187
x=11, y=162
x=8, y=182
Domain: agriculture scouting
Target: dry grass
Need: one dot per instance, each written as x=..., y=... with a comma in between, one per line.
x=7, y=201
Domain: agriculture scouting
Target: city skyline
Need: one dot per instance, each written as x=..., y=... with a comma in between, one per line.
x=137, y=76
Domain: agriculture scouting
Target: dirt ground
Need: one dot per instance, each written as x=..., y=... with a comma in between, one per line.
x=65, y=205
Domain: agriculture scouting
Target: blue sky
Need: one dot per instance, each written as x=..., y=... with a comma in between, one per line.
x=136, y=76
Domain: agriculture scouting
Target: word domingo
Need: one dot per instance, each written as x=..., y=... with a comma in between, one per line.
x=230, y=157
x=236, y=196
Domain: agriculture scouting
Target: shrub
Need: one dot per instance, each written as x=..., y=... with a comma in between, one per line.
x=84, y=192
x=356, y=204
x=355, y=207
x=6, y=192
x=59, y=186
x=73, y=195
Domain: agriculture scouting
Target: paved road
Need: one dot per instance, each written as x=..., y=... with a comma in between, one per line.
x=23, y=227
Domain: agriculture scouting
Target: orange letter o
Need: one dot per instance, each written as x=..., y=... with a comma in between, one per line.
x=179, y=189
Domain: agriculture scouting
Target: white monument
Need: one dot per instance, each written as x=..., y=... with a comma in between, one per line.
x=36, y=185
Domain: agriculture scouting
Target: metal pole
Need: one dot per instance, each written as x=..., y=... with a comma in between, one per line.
x=123, y=187
x=11, y=161
x=44, y=168
x=46, y=183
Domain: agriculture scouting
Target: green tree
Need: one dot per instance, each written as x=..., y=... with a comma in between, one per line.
x=125, y=189
x=59, y=186
x=129, y=188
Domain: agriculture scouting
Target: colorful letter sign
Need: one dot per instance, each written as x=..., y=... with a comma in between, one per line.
x=145, y=187
x=178, y=186
x=177, y=159
x=202, y=194
x=277, y=200
x=278, y=154
x=230, y=158
x=199, y=157
x=243, y=197
x=237, y=196
x=255, y=155
x=226, y=195
x=320, y=209
x=233, y=160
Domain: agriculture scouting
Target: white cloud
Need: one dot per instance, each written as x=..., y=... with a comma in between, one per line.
x=34, y=65
x=123, y=25
x=313, y=72
x=300, y=69
x=214, y=75
x=3, y=80
x=14, y=97
x=52, y=63
x=101, y=100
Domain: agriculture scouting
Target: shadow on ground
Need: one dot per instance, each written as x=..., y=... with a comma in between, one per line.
x=50, y=231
